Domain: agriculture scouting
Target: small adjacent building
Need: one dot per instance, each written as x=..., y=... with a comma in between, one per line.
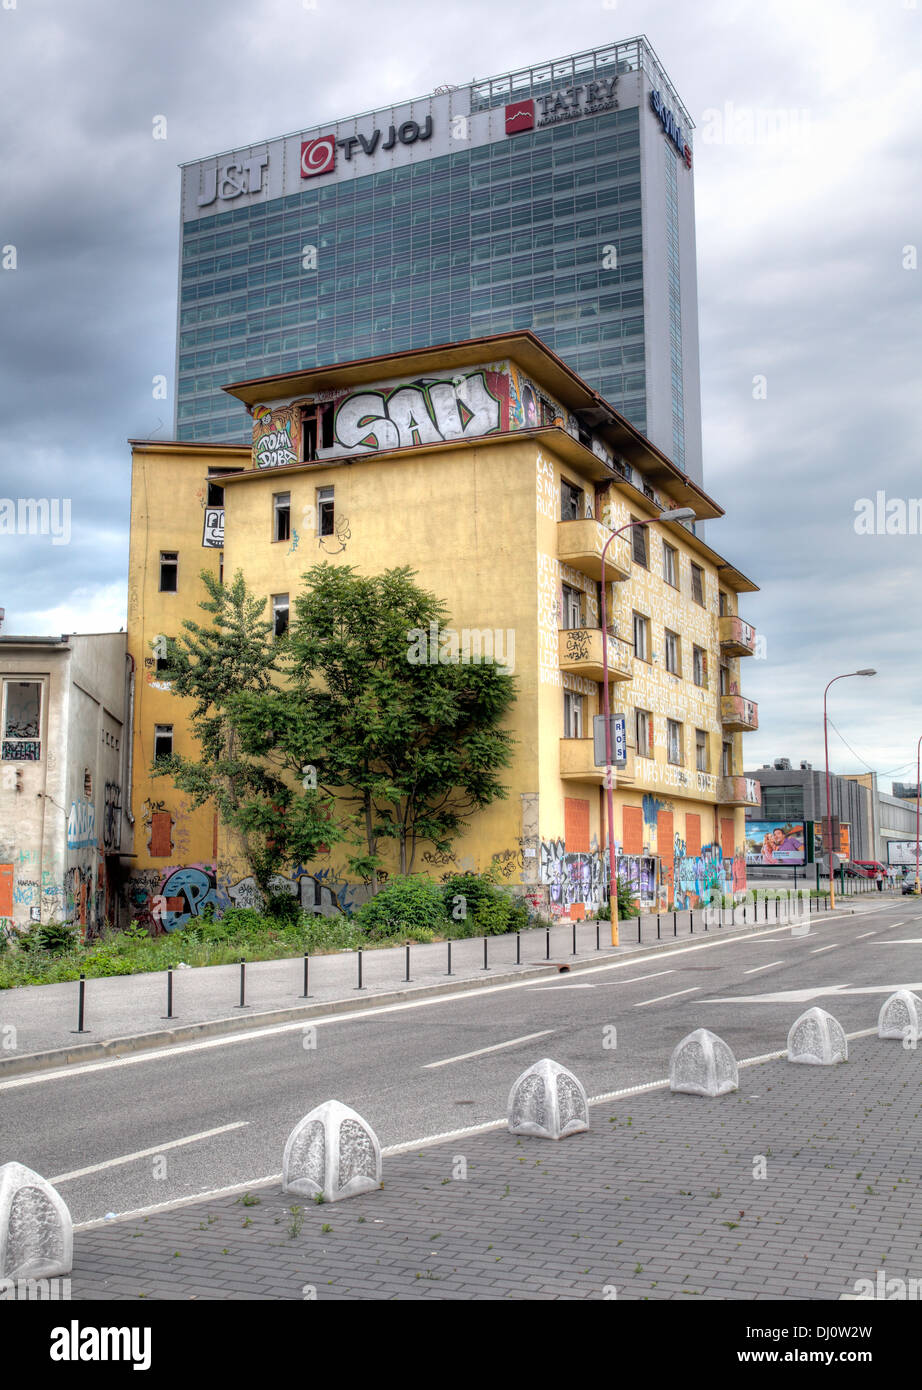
x=497, y=474
x=66, y=822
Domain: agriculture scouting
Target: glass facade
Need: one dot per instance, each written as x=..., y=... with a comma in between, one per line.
x=540, y=231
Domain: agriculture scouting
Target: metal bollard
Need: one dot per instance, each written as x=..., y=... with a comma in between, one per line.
x=518, y=948
x=307, y=976
x=675, y=924
x=360, y=985
x=243, y=986
x=657, y=926
x=574, y=938
x=485, y=965
x=639, y=921
x=547, y=953
x=597, y=946
x=81, y=1005
x=448, y=971
x=407, y=977
x=169, y=995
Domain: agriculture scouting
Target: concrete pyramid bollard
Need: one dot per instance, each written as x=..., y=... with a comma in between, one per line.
x=702, y=1064
x=36, y=1230
x=547, y=1102
x=818, y=1038
x=901, y=1017
x=333, y=1152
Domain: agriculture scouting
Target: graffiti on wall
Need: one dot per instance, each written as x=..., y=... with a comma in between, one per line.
x=276, y=436
x=697, y=875
x=81, y=825
x=112, y=817
x=185, y=894
x=427, y=411
x=572, y=879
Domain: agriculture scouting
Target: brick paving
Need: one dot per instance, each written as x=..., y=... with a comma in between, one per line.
x=658, y=1200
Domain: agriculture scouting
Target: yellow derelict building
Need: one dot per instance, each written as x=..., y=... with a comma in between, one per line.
x=497, y=474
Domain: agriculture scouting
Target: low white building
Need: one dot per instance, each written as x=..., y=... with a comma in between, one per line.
x=66, y=825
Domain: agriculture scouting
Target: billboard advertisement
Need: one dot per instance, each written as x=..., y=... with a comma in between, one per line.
x=901, y=852
x=775, y=842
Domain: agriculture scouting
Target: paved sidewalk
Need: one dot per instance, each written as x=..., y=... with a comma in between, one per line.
x=661, y=1199
x=205, y=999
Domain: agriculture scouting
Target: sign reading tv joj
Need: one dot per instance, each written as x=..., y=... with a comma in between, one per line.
x=318, y=156
x=775, y=842
x=671, y=127
x=902, y=852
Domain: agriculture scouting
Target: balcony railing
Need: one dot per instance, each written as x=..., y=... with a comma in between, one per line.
x=738, y=715
x=577, y=763
x=739, y=791
x=736, y=637
x=579, y=545
x=580, y=652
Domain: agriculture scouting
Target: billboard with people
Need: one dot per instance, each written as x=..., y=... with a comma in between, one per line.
x=775, y=842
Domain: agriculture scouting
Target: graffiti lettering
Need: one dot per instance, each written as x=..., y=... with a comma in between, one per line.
x=425, y=413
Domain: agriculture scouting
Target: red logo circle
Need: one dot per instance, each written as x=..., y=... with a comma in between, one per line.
x=318, y=156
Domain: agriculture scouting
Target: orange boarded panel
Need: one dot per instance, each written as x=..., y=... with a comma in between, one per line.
x=632, y=821
x=6, y=890
x=161, y=839
x=692, y=835
x=576, y=824
x=726, y=838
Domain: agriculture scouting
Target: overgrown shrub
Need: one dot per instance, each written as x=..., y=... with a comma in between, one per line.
x=478, y=906
x=404, y=906
x=283, y=907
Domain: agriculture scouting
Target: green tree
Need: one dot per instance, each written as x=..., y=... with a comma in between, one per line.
x=214, y=666
x=411, y=750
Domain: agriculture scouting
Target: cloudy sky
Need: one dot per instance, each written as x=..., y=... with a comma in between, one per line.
x=809, y=220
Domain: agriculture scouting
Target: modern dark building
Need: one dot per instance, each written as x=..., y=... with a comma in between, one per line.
x=795, y=797
x=558, y=198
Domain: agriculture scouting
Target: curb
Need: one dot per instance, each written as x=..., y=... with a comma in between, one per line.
x=111, y=1048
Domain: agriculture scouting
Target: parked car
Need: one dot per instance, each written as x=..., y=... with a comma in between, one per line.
x=909, y=883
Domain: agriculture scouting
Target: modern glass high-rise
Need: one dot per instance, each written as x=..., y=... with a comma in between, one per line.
x=558, y=198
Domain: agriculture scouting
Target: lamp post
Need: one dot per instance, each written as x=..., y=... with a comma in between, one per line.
x=918, y=746
x=676, y=514
x=868, y=671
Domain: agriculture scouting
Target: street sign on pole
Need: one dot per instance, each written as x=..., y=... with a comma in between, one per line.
x=618, y=725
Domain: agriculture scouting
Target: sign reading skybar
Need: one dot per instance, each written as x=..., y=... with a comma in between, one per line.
x=671, y=127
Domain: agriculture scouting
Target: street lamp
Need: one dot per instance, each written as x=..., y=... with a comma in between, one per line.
x=868, y=671
x=918, y=746
x=676, y=514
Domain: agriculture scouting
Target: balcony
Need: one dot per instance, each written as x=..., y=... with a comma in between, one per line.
x=738, y=715
x=736, y=637
x=580, y=652
x=739, y=791
x=577, y=763
x=579, y=544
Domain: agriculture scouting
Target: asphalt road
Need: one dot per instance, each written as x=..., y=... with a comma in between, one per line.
x=415, y=1070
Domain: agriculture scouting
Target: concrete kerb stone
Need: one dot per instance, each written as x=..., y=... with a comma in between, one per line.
x=111, y=1048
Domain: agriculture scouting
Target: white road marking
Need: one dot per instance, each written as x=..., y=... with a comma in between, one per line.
x=539, y=989
x=147, y=1153
x=757, y=968
x=864, y=934
x=644, y=1002
x=165, y=1054
x=497, y=1047
x=803, y=996
x=635, y=978
x=819, y=949
x=906, y=941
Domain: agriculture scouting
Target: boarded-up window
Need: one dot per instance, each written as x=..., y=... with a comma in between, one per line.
x=632, y=820
x=576, y=824
x=161, y=838
x=692, y=835
x=6, y=890
x=726, y=838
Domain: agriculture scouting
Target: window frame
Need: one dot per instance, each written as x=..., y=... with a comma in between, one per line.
x=643, y=732
x=572, y=605
x=15, y=739
x=576, y=499
x=677, y=725
x=169, y=563
x=573, y=714
x=697, y=572
x=644, y=622
x=701, y=666
x=278, y=512
x=670, y=563
x=278, y=608
x=161, y=731
x=322, y=501
x=702, y=744
x=672, y=642
x=639, y=547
